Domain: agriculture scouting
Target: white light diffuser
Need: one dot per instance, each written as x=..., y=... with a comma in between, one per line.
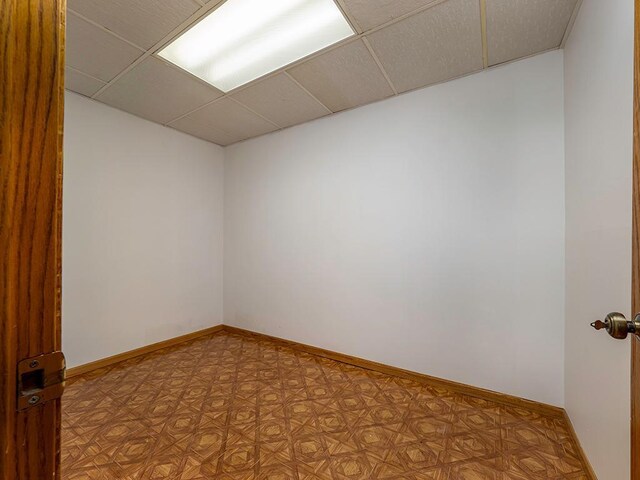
x=245, y=39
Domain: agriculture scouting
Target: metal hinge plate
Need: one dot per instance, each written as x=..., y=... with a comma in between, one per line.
x=40, y=379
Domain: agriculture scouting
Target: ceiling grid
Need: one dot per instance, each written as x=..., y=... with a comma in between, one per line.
x=377, y=60
x=398, y=46
x=483, y=26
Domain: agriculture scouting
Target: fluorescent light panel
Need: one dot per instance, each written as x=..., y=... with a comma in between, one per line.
x=246, y=39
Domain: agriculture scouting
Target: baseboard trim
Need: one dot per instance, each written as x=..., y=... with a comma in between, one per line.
x=470, y=390
x=583, y=456
x=502, y=398
x=121, y=357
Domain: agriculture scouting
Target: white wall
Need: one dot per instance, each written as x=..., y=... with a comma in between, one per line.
x=142, y=232
x=599, y=136
x=424, y=231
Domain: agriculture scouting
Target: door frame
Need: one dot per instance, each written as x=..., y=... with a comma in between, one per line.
x=32, y=35
x=635, y=282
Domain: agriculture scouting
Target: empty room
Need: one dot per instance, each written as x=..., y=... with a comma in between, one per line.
x=319, y=240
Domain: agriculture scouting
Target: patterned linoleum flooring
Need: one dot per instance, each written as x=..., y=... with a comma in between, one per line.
x=232, y=407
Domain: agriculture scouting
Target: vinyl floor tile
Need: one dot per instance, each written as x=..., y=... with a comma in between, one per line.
x=235, y=407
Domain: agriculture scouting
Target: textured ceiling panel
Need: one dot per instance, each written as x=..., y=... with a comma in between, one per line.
x=517, y=28
x=80, y=83
x=96, y=52
x=344, y=77
x=198, y=127
x=368, y=14
x=225, y=118
x=422, y=43
x=158, y=92
x=143, y=22
x=281, y=100
x=442, y=42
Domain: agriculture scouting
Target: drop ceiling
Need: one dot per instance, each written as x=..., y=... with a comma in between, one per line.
x=399, y=46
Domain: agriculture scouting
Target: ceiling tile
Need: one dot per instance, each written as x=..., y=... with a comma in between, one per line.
x=158, y=92
x=373, y=13
x=344, y=77
x=143, y=22
x=281, y=100
x=194, y=127
x=440, y=43
x=224, y=121
x=80, y=83
x=518, y=28
x=96, y=52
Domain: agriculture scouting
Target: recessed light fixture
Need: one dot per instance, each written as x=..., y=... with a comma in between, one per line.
x=245, y=39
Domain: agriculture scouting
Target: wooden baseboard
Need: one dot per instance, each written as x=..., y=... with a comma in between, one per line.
x=121, y=357
x=477, y=392
x=502, y=398
x=472, y=391
x=583, y=456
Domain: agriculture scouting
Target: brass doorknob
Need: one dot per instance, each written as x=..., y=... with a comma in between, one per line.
x=618, y=326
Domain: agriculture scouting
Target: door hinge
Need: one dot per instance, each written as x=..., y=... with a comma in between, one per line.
x=40, y=379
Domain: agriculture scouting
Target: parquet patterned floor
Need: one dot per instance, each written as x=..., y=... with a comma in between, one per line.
x=232, y=407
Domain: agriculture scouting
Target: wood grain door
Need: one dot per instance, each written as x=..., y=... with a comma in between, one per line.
x=31, y=120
